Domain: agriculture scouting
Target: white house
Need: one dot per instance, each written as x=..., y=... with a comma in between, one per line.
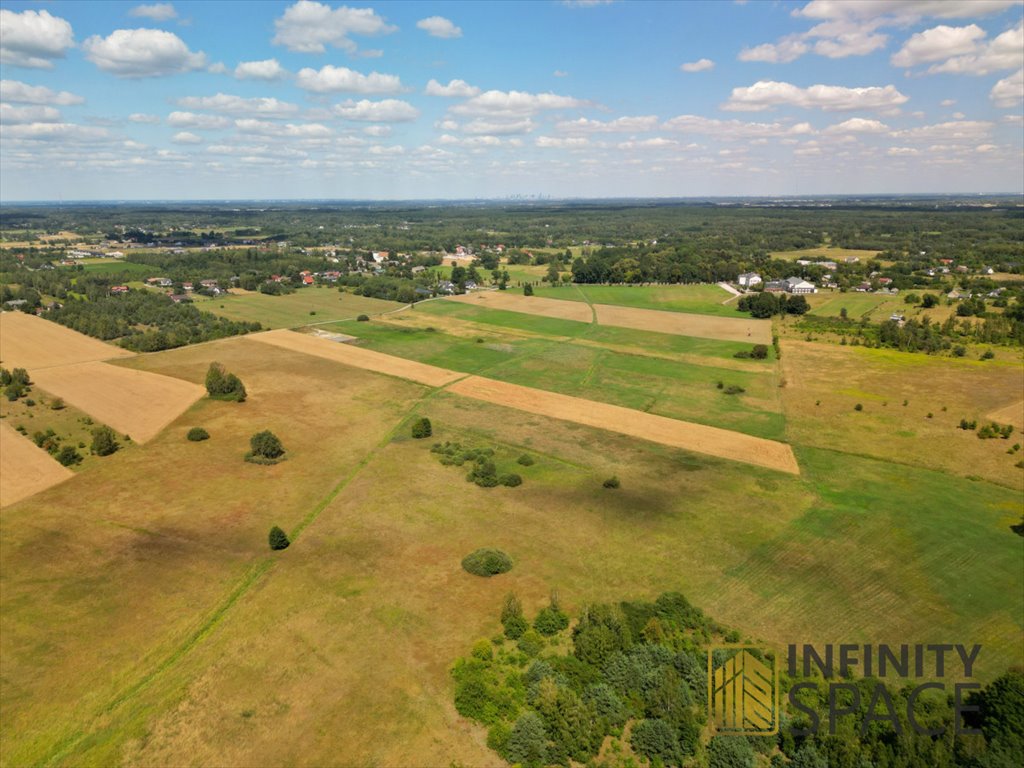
x=748, y=280
x=799, y=285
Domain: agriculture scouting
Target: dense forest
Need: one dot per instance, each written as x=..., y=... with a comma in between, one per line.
x=637, y=672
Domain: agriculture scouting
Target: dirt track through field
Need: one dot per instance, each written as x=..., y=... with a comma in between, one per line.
x=27, y=341
x=24, y=468
x=136, y=403
x=358, y=357
x=661, y=321
x=713, y=441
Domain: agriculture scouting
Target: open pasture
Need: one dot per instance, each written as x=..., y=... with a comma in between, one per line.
x=316, y=304
x=133, y=402
x=824, y=253
x=24, y=468
x=703, y=299
x=30, y=342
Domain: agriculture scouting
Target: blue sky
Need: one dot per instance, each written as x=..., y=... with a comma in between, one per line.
x=396, y=100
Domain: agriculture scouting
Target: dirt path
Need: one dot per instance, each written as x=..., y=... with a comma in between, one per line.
x=24, y=468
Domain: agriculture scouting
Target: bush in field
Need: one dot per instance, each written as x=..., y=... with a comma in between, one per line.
x=197, y=434
x=611, y=482
x=278, y=539
x=487, y=562
x=422, y=428
x=265, y=447
x=68, y=456
x=552, y=619
x=525, y=460
x=733, y=389
x=527, y=290
x=511, y=480
x=57, y=404
x=512, y=617
x=103, y=441
x=363, y=319
x=530, y=643
x=221, y=385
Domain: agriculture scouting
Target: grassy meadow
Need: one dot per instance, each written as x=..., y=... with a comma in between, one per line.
x=702, y=299
x=824, y=253
x=222, y=652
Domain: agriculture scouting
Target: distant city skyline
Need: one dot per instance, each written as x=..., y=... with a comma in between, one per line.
x=453, y=100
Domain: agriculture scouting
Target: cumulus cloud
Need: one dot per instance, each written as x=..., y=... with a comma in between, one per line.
x=482, y=126
x=284, y=130
x=858, y=43
x=267, y=69
x=700, y=65
x=21, y=93
x=901, y=9
x=308, y=27
x=657, y=142
x=454, y=89
x=1008, y=92
x=155, y=12
x=439, y=26
x=959, y=130
x=184, y=137
x=331, y=79
x=142, y=53
x=554, y=142
x=142, y=117
x=624, y=124
x=236, y=105
x=768, y=94
x=858, y=125
x=1005, y=52
x=63, y=132
x=33, y=38
x=377, y=130
x=32, y=113
x=786, y=50
x=937, y=43
x=202, y=122
x=512, y=103
x=734, y=129
x=384, y=111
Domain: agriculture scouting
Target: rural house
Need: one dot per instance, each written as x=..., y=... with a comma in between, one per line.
x=749, y=280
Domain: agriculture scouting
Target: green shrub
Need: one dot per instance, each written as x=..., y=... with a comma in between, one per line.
x=30, y=402
x=858, y=407
x=266, y=448
x=530, y=643
x=528, y=742
x=221, y=385
x=68, y=456
x=487, y=562
x=197, y=433
x=512, y=617
x=656, y=739
x=733, y=389
x=103, y=441
x=527, y=290
x=362, y=319
x=58, y=404
x=550, y=621
x=422, y=428
x=482, y=650
x=278, y=539
x=611, y=482
x=525, y=460
x=511, y=480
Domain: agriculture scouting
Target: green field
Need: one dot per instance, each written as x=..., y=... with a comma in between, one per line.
x=702, y=299
x=858, y=305
x=307, y=305
x=220, y=647
x=824, y=253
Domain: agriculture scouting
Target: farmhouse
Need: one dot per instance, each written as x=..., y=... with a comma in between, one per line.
x=749, y=280
x=119, y=289
x=776, y=286
x=799, y=285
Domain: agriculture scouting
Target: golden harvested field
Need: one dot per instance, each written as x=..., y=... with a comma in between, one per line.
x=1011, y=414
x=27, y=341
x=824, y=253
x=678, y=323
x=24, y=468
x=360, y=358
x=824, y=383
x=135, y=403
x=658, y=429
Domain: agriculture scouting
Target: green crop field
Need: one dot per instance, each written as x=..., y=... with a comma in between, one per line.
x=347, y=637
x=307, y=305
x=701, y=299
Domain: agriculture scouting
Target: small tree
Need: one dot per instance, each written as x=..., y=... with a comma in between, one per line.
x=265, y=447
x=68, y=456
x=527, y=290
x=196, y=434
x=611, y=482
x=422, y=428
x=221, y=385
x=57, y=404
x=528, y=743
x=103, y=441
x=278, y=539
x=512, y=617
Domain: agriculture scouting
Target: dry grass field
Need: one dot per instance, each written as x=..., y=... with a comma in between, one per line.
x=1011, y=414
x=661, y=321
x=27, y=341
x=24, y=468
x=824, y=253
x=646, y=426
x=135, y=403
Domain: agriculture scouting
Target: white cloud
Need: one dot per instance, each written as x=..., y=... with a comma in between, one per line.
x=377, y=130
x=217, y=68
x=184, y=137
x=142, y=53
x=624, y=124
x=560, y=73
x=858, y=43
x=511, y=103
x=959, y=130
x=1005, y=52
x=331, y=79
x=63, y=132
x=907, y=10
x=22, y=93
x=202, y=122
x=734, y=129
x=697, y=66
x=902, y=152
x=384, y=111
x=655, y=143
x=308, y=27
x=380, y=149
x=439, y=26
x=141, y=117
x=284, y=130
x=1008, y=92
x=937, y=43
x=156, y=12
x=267, y=69
x=768, y=94
x=32, y=113
x=552, y=142
x=858, y=125
x=455, y=88
x=236, y=105
x=498, y=128
x=947, y=102
x=786, y=50
x=33, y=38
